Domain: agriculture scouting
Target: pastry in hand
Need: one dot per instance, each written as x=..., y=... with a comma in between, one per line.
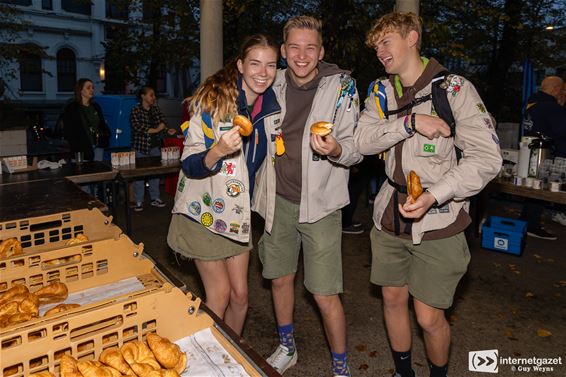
x=414, y=188
x=53, y=292
x=80, y=238
x=167, y=353
x=61, y=308
x=321, y=128
x=68, y=367
x=93, y=368
x=10, y=247
x=246, y=127
x=113, y=358
x=14, y=291
x=136, y=352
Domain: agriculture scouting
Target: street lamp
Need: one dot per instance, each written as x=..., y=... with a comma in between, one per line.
x=102, y=71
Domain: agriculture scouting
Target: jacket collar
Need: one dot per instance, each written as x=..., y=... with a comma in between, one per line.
x=269, y=104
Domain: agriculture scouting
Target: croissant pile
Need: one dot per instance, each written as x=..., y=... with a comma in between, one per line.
x=158, y=358
x=18, y=304
x=10, y=247
x=80, y=238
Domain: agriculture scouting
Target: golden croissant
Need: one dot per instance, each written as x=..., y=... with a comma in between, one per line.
x=96, y=369
x=138, y=352
x=10, y=247
x=80, y=238
x=163, y=373
x=20, y=318
x=9, y=308
x=14, y=291
x=60, y=308
x=143, y=369
x=113, y=358
x=42, y=374
x=29, y=305
x=167, y=353
x=68, y=367
x=53, y=292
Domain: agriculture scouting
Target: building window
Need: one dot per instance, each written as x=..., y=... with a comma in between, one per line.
x=117, y=9
x=30, y=73
x=17, y=2
x=76, y=6
x=66, y=70
x=47, y=4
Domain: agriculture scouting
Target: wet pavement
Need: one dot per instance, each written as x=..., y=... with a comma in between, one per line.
x=514, y=304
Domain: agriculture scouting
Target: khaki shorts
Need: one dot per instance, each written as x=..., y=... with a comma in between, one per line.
x=432, y=269
x=322, y=253
x=194, y=241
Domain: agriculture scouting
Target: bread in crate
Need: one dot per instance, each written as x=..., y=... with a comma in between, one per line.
x=43, y=233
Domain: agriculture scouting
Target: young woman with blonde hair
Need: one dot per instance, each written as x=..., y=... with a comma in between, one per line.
x=211, y=218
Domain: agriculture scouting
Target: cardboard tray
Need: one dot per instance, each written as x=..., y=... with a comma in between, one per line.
x=84, y=334
x=50, y=232
x=82, y=267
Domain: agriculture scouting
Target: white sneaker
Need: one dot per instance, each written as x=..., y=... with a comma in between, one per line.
x=281, y=360
x=559, y=218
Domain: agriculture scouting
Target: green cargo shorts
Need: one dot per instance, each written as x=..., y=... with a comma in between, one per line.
x=322, y=253
x=432, y=269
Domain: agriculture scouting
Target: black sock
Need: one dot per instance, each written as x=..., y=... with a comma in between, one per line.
x=402, y=362
x=436, y=371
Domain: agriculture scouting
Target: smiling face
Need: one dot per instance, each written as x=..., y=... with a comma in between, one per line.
x=258, y=71
x=303, y=50
x=87, y=91
x=396, y=52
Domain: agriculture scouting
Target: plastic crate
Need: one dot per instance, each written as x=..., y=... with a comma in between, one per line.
x=504, y=235
x=51, y=232
x=85, y=334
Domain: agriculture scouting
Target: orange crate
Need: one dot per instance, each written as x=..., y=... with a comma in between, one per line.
x=84, y=334
x=53, y=231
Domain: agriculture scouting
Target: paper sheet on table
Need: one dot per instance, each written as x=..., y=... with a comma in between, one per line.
x=207, y=357
x=99, y=293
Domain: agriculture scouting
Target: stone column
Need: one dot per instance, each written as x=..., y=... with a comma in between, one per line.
x=211, y=41
x=407, y=6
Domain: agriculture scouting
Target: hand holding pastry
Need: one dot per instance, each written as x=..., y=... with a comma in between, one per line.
x=246, y=127
x=414, y=187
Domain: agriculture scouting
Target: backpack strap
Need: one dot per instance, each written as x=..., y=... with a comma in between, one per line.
x=440, y=102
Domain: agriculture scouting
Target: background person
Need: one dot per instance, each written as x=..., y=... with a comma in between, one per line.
x=211, y=217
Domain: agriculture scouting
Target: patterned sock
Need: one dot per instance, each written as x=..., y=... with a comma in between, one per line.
x=402, y=362
x=340, y=364
x=287, y=337
x=436, y=371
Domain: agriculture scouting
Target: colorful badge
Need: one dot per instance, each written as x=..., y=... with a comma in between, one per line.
x=181, y=185
x=206, y=219
x=279, y=145
x=206, y=199
x=234, y=228
x=429, y=148
x=455, y=85
x=218, y=205
x=194, y=208
x=245, y=228
x=481, y=107
x=234, y=187
x=220, y=226
x=238, y=209
x=487, y=122
x=228, y=169
x=495, y=139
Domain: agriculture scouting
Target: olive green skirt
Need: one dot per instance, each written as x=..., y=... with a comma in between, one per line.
x=193, y=240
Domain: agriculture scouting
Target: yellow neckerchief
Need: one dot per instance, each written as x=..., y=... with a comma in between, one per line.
x=397, y=80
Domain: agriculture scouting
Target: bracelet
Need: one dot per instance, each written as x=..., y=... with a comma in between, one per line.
x=413, y=123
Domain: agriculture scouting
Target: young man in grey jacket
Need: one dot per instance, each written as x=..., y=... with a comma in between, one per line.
x=301, y=189
x=418, y=244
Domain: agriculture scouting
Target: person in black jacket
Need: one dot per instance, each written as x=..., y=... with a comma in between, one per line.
x=84, y=126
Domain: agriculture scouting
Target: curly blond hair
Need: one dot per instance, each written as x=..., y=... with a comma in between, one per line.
x=401, y=23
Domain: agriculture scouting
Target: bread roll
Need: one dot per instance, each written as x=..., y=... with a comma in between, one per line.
x=246, y=127
x=10, y=247
x=414, y=188
x=61, y=308
x=321, y=128
x=96, y=369
x=167, y=353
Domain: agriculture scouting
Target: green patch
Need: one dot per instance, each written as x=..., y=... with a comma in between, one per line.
x=181, y=185
x=429, y=148
x=481, y=108
x=225, y=128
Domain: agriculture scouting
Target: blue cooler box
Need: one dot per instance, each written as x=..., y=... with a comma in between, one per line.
x=504, y=235
x=116, y=110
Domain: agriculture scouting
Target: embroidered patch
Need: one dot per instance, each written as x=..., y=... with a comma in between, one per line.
x=234, y=188
x=194, y=208
x=481, y=108
x=225, y=128
x=238, y=209
x=220, y=226
x=488, y=123
x=206, y=199
x=429, y=148
x=181, y=185
x=276, y=121
x=432, y=211
x=444, y=209
x=495, y=139
x=234, y=228
x=206, y=219
x=228, y=169
x=245, y=228
x=218, y=205
x=455, y=86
